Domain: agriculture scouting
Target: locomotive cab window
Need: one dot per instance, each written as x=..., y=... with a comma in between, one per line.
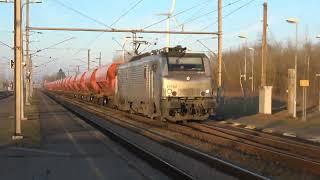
x=185, y=64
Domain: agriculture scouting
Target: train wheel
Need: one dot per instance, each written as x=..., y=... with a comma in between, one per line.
x=163, y=119
x=105, y=101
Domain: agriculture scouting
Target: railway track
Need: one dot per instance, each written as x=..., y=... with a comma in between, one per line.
x=307, y=150
x=5, y=94
x=165, y=166
x=151, y=158
x=300, y=156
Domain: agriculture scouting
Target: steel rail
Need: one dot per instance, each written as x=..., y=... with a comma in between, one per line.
x=214, y=162
x=283, y=156
x=5, y=94
x=303, y=149
x=151, y=158
x=295, y=160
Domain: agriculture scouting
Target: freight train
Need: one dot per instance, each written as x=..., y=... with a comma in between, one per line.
x=167, y=84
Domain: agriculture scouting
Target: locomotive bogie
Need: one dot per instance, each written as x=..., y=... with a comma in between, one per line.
x=179, y=109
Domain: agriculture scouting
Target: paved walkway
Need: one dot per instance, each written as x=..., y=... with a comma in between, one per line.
x=71, y=149
x=6, y=119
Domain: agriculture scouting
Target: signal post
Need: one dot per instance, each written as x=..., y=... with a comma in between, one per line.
x=265, y=92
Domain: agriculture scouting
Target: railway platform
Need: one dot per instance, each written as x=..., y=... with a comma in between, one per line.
x=59, y=145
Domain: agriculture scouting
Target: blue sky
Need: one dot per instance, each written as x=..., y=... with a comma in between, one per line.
x=244, y=21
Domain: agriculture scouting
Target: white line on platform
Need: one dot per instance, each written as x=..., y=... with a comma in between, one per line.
x=223, y=122
x=267, y=130
x=91, y=162
x=252, y=127
x=236, y=124
x=40, y=151
x=289, y=134
x=315, y=139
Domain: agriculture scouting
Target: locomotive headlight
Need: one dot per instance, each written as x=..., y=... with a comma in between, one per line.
x=174, y=93
x=169, y=91
x=207, y=91
x=202, y=93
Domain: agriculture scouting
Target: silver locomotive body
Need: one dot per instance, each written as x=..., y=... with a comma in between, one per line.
x=175, y=86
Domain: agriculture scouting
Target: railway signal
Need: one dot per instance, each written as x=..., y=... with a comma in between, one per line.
x=11, y=64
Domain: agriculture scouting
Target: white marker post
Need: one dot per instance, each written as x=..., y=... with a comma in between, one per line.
x=304, y=84
x=318, y=76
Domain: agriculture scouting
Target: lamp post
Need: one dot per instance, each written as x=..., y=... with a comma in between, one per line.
x=18, y=75
x=29, y=88
x=252, y=66
x=295, y=21
x=18, y=62
x=318, y=76
x=26, y=63
x=245, y=56
x=28, y=73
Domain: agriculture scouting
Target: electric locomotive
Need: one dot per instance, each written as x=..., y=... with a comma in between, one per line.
x=169, y=84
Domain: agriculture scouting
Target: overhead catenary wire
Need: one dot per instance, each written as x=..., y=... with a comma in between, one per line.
x=81, y=13
x=6, y=45
x=84, y=15
x=6, y=58
x=66, y=49
x=118, y=30
x=227, y=15
x=55, y=59
x=90, y=43
x=122, y=47
x=205, y=14
x=48, y=62
x=125, y=13
x=40, y=50
x=175, y=15
x=119, y=18
x=205, y=5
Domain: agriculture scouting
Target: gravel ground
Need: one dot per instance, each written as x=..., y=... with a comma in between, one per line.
x=209, y=145
x=199, y=170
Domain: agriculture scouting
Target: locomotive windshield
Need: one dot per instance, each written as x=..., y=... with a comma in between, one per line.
x=185, y=64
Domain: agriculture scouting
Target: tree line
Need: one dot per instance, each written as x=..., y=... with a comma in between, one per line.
x=281, y=57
